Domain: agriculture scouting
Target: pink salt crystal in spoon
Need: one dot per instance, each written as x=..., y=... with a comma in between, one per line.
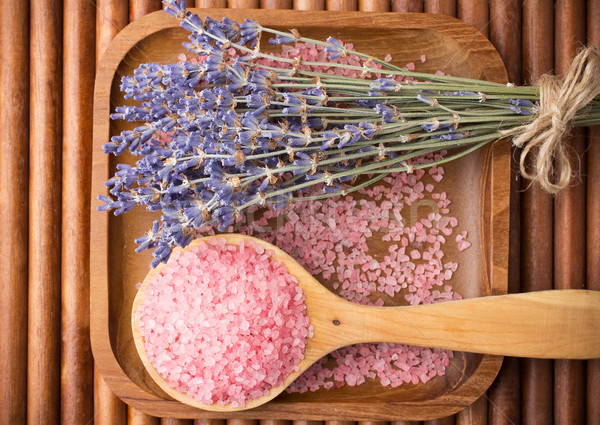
x=546, y=324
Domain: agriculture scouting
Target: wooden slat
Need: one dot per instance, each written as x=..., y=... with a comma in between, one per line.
x=593, y=224
x=139, y=8
x=108, y=409
x=475, y=13
x=274, y=422
x=243, y=4
x=536, y=216
x=307, y=423
x=173, y=421
x=135, y=417
x=407, y=6
x=374, y=5
x=569, y=225
x=209, y=422
x=211, y=3
x=14, y=188
x=342, y=5
x=309, y=4
x=449, y=420
x=503, y=396
x=43, y=349
x=275, y=4
x=505, y=34
x=405, y=423
x=442, y=7
x=475, y=414
x=111, y=17
x=78, y=89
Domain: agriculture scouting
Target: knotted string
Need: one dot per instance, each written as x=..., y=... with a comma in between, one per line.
x=559, y=103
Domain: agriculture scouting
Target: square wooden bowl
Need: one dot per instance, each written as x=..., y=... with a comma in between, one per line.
x=478, y=186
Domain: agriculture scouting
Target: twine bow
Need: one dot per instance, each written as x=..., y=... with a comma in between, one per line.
x=559, y=103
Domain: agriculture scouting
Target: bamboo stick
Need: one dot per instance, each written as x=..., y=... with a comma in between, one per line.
x=139, y=8
x=108, y=409
x=173, y=421
x=593, y=223
x=449, y=420
x=505, y=34
x=43, y=345
x=374, y=5
x=503, y=396
x=211, y=3
x=209, y=422
x=14, y=116
x=309, y=4
x=475, y=414
x=442, y=7
x=274, y=422
x=475, y=13
x=407, y=6
x=275, y=4
x=342, y=5
x=78, y=76
x=536, y=217
x=243, y=4
x=135, y=417
x=111, y=17
x=569, y=224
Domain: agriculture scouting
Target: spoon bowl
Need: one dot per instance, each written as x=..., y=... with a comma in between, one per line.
x=546, y=324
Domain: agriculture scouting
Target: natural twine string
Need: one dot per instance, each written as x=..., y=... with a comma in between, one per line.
x=559, y=103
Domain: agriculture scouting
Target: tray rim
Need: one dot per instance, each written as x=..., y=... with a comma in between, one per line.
x=105, y=359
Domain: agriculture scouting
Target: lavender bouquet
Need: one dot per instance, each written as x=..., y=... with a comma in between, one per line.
x=231, y=132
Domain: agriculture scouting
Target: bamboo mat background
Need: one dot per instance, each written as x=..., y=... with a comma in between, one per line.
x=47, y=66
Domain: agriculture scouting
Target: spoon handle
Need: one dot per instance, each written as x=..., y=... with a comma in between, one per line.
x=546, y=324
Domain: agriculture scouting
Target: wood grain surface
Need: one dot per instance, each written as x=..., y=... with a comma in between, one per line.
x=593, y=224
x=342, y=5
x=475, y=13
x=205, y=4
x=77, y=385
x=14, y=196
x=569, y=231
x=374, y=5
x=45, y=147
x=442, y=7
x=536, y=216
x=407, y=6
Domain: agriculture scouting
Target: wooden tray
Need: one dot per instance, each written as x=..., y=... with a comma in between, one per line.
x=478, y=186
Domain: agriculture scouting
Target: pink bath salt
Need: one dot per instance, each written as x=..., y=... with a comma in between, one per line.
x=423, y=58
x=224, y=323
x=463, y=245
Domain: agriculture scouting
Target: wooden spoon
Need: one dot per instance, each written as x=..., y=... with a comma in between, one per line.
x=546, y=324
